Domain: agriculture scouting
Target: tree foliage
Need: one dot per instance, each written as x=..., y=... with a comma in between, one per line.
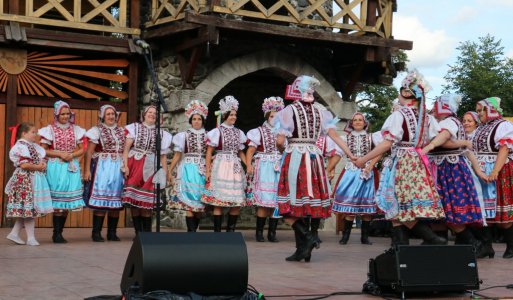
x=481, y=71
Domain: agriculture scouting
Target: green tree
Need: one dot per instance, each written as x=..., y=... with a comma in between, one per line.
x=481, y=71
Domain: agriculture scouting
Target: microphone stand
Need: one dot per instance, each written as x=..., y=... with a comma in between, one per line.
x=148, y=57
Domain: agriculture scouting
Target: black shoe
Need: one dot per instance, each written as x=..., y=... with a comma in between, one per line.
x=96, y=235
x=58, y=228
x=260, y=223
x=308, y=242
x=346, y=233
x=112, y=225
x=218, y=222
x=427, y=234
x=232, y=222
x=191, y=224
x=315, y=223
x=364, y=239
x=271, y=233
x=508, y=238
x=400, y=236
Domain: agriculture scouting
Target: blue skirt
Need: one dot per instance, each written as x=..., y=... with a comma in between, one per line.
x=265, y=184
x=65, y=185
x=489, y=192
x=189, y=186
x=354, y=195
x=104, y=190
x=42, y=195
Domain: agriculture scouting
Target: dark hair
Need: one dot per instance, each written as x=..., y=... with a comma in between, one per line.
x=202, y=119
x=23, y=128
x=267, y=114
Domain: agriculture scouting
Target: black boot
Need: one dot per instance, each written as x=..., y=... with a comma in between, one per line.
x=112, y=226
x=508, y=238
x=364, y=239
x=97, y=228
x=484, y=234
x=306, y=241
x=58, y=227
x=191, y=224
x=271, y=233
x=314, y=228
x=196, y=223
x=146, y=224
x=299, y=245
x=232, y=222
x=400, y=236
x=346, y=233
x=137, y=222
x=260, y=223
x=466, y=237
x=427, y=234
x=218, y=222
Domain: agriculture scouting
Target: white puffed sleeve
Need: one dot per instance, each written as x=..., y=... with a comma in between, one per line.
x=328, y=122
x=93, y=135
x=377, y=138
x=213, y=137
x=130, y=131
x=254, y=138
x=19, y=154
x=242, y=140
x=283, y=122
x=451, y=126
x=46, y=134
x=504, y=135
x=79, y=134
x=165, y=144
x=392, y=129
x=179, y=142
x=334, y=148
x=434, y=127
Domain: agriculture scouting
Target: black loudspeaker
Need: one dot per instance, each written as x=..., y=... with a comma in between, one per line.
x=425, y=269
x=201, y=263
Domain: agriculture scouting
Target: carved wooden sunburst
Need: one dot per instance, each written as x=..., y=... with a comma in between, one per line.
x=69, y=76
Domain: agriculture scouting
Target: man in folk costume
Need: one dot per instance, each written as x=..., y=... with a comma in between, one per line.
x=409, y=190
x=303, y=188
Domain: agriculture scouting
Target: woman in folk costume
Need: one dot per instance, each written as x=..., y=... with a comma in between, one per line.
x=409, y=190
x=355, y=188
x=103, y=172
x=62, y=141
x=453, y=177
x=470, y=123
x=303, y=188
x=28, y=193
x=225, y=175
x=139, y=167
x=264, y=169
x=493, y=143
x=189, y=154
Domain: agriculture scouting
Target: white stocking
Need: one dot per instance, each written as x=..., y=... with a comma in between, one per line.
x=17, y=227
x=30, y=224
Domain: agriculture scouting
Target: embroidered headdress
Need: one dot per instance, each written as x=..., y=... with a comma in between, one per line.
x=447, y=105
x=196, y=107
x=57, y=108
x=228, y=104
x=349, y=126
x=417, y=84
x=302, y=84
x=493, y=107
x=103, y=110
x=474, y=116
x=272, y=104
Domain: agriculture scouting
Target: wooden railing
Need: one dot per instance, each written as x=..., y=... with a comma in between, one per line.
x=349, y=16
x=94, y=15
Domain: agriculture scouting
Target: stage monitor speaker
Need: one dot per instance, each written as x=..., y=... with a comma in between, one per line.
x=201, y=263
x=426, y=268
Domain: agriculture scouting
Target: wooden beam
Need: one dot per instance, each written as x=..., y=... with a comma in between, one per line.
x=193, y=63
x=11, y=113
x=372, y=6
x=133, y=90
x=14, y=7
x=206, y=34
x=135, y=14
x=299, y=33
x=168, y=30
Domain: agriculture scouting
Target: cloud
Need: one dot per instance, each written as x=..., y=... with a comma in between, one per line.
x=466, y=14
x=509, y=54
x=495, y=3
x=431, y=48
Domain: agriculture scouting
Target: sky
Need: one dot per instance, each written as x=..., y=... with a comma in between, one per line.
x=437, y=28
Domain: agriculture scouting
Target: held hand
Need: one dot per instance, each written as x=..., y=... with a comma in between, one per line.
x=360, y=163
x=352, y=157
x=482, y=176
x=468, y=145
x=126, y=171
x=41, y=166
x=250, y=170
x=493, y=176
x=427, y=149
x=87, y=176
x=169, y=179
x=331, y=175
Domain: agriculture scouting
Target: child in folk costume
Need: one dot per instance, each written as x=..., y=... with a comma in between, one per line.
x=103, y=172
x=62, y=141
x=493, y=143
x=409, y=189
x=28, y=193
x=303, y=188
x=355, y=188
x=189, y=154
x=139, y=163
x=225, y=175
x=265, y=169
x=452, y=174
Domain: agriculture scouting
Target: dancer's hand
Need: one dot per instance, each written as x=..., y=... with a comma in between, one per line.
x=360, y=163
x=87, y=176
x=493, y=176
x=125, y=171
x=250, y=170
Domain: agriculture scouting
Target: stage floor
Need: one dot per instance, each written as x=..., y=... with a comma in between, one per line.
x=83, y=268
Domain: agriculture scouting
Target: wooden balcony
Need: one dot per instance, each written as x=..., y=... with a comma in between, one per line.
x=353, y=17
x=109, y=16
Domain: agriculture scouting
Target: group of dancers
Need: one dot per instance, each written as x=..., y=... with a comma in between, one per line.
x=439, y=173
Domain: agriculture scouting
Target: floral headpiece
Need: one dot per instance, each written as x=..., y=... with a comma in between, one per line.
x=417, y=84
x=196, y=107
x=493, y=107
x=447, y=105
x=349, y=126
x=104, y=108
x=272, y=104
x=228, y=104
x=58, y=106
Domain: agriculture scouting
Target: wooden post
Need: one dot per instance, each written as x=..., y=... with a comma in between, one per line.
x=372, y=6
x=133, y=90
x=14, y=7
x=10, y=120
x=135, y=14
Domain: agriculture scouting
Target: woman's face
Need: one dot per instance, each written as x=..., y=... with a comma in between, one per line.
x=469, y=124
x=64, y=115
x=196, y=122
x=231, y=118
x=358, y=122
x=271, y=117
x=109, y=118
x=481, y=112
x=308, y=96
x=150, y=116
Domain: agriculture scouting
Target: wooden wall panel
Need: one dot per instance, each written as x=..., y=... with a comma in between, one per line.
x=2, y=157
